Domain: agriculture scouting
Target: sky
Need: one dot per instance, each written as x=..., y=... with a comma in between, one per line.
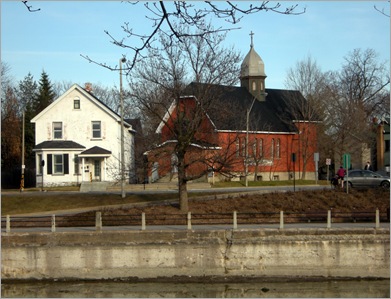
x=54, y=38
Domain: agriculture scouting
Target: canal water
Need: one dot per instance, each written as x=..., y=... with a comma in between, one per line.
x=266, y=289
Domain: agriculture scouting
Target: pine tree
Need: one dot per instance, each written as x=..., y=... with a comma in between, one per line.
x=45, y=95
x=27, y=96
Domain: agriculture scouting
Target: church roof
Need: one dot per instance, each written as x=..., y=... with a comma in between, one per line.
x=228, y=109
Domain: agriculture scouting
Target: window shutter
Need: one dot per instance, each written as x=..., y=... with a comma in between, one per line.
x=49, y=164
x=66, y=163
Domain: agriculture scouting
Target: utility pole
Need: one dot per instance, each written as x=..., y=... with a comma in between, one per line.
x=246, y=148
x=122, y=60
x=23, y=166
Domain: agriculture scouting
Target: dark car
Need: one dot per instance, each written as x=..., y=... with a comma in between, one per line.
x=366, y=179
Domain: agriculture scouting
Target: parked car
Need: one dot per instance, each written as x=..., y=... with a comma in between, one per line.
x=366, y=179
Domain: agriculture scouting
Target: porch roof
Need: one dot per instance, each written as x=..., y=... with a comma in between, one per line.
x=95, y=151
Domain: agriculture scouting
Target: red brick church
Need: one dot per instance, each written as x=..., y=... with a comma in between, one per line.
x=249, y=131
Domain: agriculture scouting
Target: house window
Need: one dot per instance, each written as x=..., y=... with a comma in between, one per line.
x=57, y=130
x=58, y=164
x=76, y=103
x=96, y=129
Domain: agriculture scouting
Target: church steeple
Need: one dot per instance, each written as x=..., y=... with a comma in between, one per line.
x=252, y=73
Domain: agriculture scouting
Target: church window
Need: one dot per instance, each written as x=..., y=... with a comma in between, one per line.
x=244, y=147
x=278, y=148
x=272, y=149
x=255, y=143
x=261, y=147
x=254, y=86
x=237, y=147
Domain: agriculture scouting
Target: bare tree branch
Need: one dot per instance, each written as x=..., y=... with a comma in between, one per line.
x=382, y=11
x=170, y=18
x=30, y=7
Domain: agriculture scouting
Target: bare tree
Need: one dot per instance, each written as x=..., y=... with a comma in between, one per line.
x=308, y=78
x=158, y=84
x=357, y=94
x=170, y=18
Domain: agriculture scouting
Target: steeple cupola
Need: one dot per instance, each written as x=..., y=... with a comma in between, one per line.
x=252, y=73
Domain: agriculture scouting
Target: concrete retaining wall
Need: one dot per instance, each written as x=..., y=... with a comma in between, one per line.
x=153, y=254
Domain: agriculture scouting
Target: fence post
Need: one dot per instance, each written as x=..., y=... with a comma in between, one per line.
x=142, y=221
x=53, y=223
x=377, y=218
x=235, y=220
x=281, y=219
x=98, y=221
x=8, y=224
x=329, y=219
x=189, y=220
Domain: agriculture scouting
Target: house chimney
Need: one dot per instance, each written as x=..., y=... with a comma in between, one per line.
x=88, y=87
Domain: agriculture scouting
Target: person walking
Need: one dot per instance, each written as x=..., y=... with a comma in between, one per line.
x=341, y=173
x=368, y=166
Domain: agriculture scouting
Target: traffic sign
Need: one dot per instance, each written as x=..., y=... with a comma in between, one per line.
x=346, y=161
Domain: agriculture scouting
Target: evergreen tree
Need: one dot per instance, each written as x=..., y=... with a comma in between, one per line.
x=27, y=95
x=45, y=95
x=27, y=91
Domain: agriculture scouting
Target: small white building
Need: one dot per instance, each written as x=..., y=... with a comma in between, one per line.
x=78, y=139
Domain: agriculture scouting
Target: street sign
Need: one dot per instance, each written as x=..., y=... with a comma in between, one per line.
x=328, y=161
x=346, y=161
x=316, y=156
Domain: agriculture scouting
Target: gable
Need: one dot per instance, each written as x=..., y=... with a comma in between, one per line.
x=172, y=112
x=65, y=103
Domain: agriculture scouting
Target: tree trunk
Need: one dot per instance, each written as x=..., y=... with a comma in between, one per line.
x=182, y=183
x=183, y=199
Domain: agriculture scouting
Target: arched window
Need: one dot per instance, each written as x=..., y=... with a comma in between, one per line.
x=272, y=149
x=237, y=147
x=243, y=146
x=261, y=147
x=255, y=143
x=76, y=103
x=254, y=86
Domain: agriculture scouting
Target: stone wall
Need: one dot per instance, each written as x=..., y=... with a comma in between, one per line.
x=197, y=253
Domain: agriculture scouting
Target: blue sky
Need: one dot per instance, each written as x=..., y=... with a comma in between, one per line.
x=53, y=38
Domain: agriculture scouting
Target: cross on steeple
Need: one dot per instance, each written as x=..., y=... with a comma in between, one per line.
x=251, y=34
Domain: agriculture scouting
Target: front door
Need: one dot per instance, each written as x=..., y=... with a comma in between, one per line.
x=97, y=170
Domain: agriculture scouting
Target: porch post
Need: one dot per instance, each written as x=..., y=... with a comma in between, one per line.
x=82, y=169
x=104, y=169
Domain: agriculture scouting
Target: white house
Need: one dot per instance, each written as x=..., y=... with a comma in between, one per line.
x=78, y=139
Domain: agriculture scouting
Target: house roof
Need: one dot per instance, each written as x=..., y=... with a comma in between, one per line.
x=230, y=103
x=59, y=144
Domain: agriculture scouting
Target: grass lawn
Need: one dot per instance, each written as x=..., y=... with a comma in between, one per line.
x=32, y=200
